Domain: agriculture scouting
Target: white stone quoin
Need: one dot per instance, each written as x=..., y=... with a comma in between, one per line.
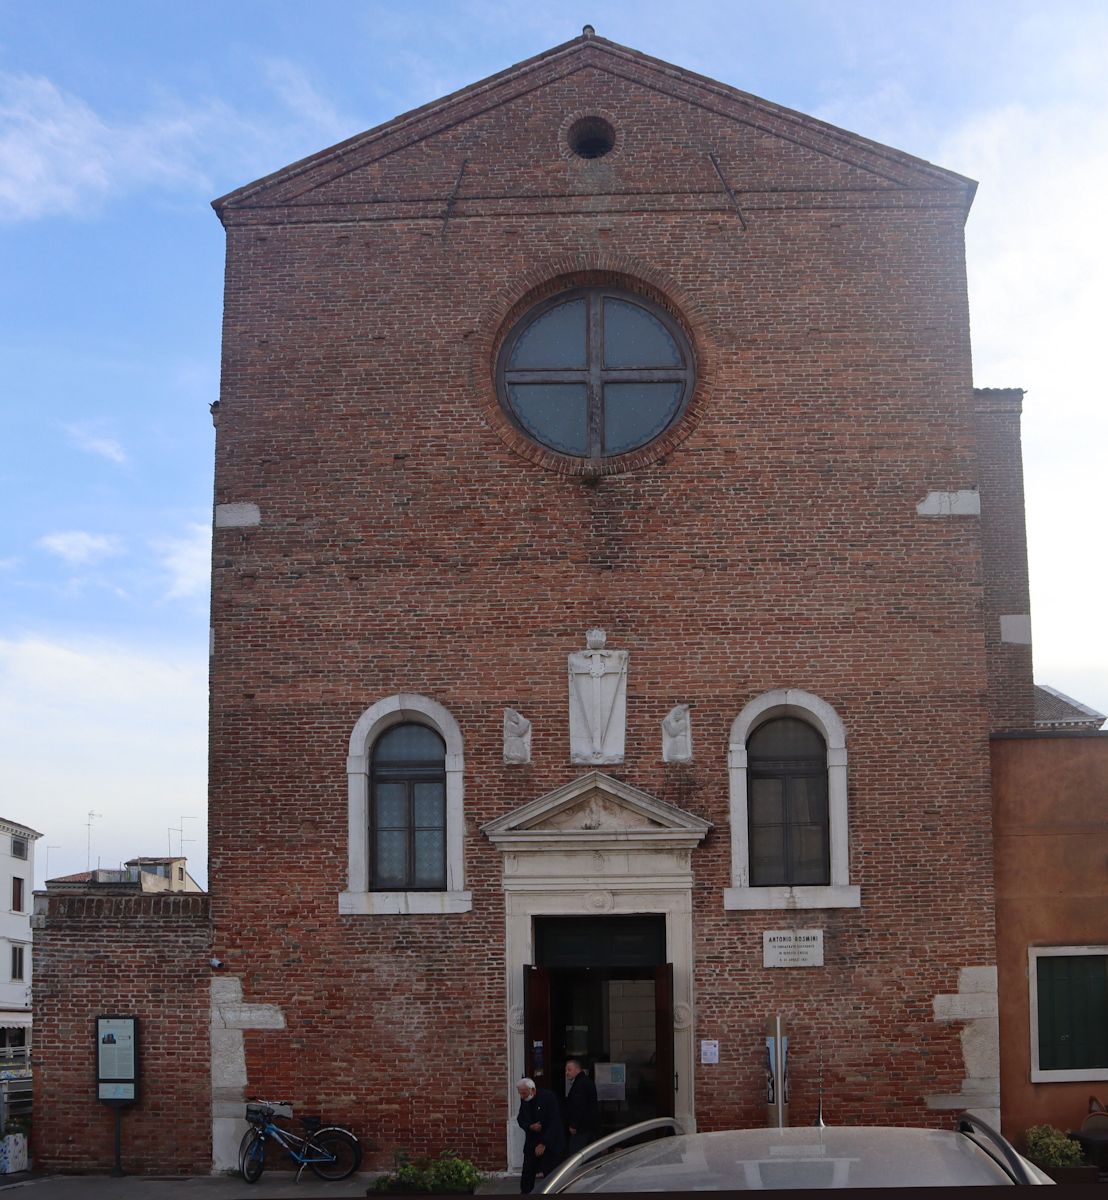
x=597, y=702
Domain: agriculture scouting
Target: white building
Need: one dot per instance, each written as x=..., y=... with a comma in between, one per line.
x=17, y=875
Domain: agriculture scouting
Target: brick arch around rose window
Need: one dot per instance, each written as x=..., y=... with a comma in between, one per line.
x=838, y=892
x=376, y=720
x=592, y=270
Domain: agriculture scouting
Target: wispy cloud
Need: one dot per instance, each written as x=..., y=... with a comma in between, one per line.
x=78, y=548
x=132, y=721
x=302, y=98
x=187, y=562
x=57, y=155
x=87, y=438
x=1037, y=250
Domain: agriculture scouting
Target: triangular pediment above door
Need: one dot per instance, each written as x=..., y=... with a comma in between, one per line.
x=595, y=811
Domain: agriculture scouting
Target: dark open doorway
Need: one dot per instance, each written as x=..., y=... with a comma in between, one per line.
x=601, y=991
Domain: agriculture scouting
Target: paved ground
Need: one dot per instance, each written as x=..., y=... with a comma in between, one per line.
x=278, y=1184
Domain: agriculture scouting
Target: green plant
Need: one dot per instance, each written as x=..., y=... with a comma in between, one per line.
x=17, y=1125
x=448, y=1172
x=1048, y=1146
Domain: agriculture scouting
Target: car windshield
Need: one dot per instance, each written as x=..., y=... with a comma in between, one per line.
x=796, y=1158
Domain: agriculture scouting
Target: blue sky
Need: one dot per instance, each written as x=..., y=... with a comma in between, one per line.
x=120, y=121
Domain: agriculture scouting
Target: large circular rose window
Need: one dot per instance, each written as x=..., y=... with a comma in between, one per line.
x=595, y=372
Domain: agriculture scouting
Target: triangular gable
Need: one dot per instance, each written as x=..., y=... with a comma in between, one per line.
x=891, y=167
x=595, y=810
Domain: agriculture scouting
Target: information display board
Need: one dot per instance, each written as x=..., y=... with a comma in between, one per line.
x=117, y=1059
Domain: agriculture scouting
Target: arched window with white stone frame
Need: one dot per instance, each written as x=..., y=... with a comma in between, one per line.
x=382, y=783
x=788, y=743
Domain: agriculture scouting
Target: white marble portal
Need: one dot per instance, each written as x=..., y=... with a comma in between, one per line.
x=596, y=846
x=597, y=702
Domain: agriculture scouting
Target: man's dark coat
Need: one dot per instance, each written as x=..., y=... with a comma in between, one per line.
x=582, y=1112
x=543, y=1108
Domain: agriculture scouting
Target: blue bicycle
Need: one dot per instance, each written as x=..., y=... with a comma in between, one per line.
x=331, y=1151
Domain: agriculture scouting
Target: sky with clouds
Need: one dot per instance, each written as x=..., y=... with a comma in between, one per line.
x=119, y=122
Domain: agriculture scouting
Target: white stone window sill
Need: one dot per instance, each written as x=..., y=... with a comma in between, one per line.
x=1077, y=1075
x=374, y=903
x=832, y=896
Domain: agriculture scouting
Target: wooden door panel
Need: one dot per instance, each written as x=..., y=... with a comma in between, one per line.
x=663, y=1038
x=536, y=1025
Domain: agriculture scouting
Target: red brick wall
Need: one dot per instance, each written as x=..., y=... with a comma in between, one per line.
x=406, y=546
x=1004, y=554
x=129, y=955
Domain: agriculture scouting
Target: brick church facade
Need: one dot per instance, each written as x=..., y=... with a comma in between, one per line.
x=616, y=577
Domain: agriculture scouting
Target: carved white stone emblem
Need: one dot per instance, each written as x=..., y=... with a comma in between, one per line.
x=597, y=702
x=677, y=735
x=517, y=737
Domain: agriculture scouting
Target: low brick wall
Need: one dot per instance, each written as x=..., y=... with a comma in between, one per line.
x=129, y=954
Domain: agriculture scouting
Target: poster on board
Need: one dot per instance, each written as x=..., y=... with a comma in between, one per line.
x=611, y=1081
x=117, y=1059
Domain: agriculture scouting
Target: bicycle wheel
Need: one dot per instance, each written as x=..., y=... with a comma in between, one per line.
x=252, y=1156
x=250, y=1134
x=339, y=1153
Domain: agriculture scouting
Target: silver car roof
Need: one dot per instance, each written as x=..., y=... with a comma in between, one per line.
x=797, y=1157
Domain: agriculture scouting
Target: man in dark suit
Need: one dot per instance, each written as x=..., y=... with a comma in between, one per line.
x=544, y=1144
x=582, y=1107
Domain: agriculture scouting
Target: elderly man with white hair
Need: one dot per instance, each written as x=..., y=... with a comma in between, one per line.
x=544, y=1139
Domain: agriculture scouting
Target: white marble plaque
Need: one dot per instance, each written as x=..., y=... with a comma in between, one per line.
x=597, y=702
x=792, y=948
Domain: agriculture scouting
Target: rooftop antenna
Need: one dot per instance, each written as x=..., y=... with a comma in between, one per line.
x=184, y=839
x=46, y=867
x=92, y=816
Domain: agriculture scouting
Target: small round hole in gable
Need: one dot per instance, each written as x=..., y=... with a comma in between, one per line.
x=591, y=137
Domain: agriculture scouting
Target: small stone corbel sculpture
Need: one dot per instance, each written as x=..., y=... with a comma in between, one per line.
x=517, y=737
x=677, y=735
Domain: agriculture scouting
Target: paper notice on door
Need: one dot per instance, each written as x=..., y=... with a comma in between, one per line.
x=611, y=1081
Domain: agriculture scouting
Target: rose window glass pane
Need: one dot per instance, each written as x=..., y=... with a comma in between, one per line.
x=555, y=414
x=392, y=855
x=429, y=808
x=635, y=413
x=552, y=341
x=430, y=856
x=634, y=338
x=409, y=743
x=391, y=810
